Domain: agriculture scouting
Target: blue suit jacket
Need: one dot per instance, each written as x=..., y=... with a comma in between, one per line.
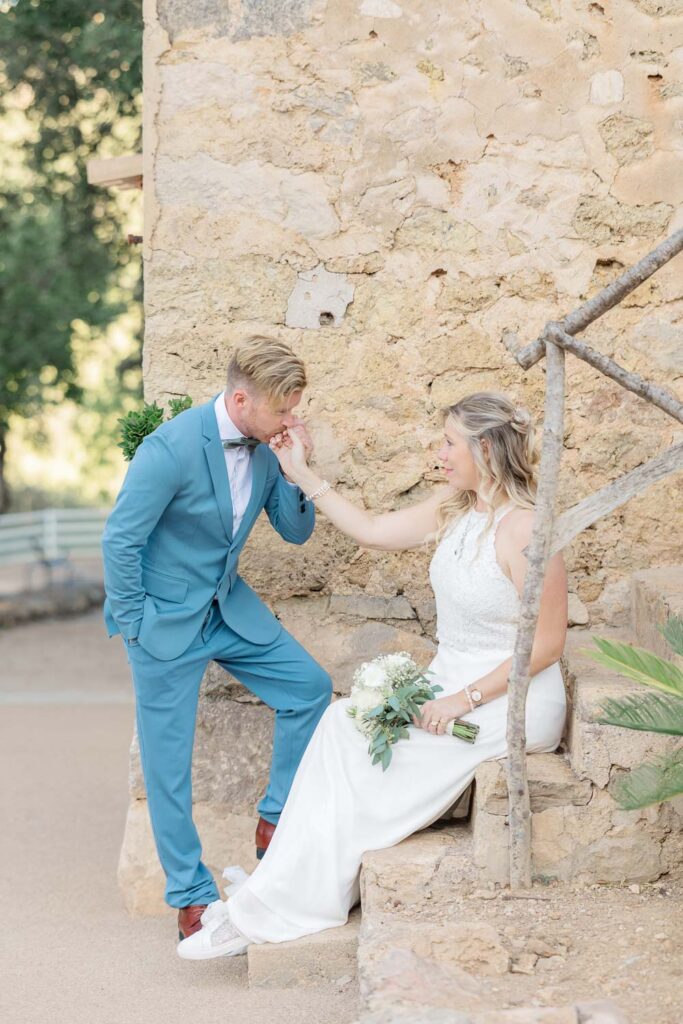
x=168, y=544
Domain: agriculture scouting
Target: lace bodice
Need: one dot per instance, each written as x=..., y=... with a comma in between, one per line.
x=477, y=606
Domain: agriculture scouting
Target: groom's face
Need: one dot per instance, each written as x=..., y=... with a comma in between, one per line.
x=262, y=416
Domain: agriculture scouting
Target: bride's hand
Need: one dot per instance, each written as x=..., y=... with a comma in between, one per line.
x=291, y=450
x=436, y=714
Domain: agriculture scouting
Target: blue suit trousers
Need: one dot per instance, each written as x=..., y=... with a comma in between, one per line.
x=282, y=674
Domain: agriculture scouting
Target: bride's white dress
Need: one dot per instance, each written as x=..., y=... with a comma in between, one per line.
x=340, y=805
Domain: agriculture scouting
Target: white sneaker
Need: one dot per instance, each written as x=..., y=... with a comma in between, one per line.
x=217, y=936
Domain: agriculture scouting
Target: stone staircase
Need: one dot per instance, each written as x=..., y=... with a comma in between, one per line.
x=417, y=958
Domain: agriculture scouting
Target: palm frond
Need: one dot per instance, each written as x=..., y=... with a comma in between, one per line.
x=651, y=783
x=636, y=663
x=673, y=633
x=651, y=712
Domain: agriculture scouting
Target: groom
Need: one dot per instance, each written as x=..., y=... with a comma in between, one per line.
x=171, y=547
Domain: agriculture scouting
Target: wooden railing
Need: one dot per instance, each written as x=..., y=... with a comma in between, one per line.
x=550, y=533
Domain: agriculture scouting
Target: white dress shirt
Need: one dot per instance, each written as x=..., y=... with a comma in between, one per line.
x=238, y=465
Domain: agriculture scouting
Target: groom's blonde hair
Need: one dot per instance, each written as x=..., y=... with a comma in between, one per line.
x=268, y=366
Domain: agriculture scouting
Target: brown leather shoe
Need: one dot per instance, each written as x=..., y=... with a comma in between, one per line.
x=189, y=920
x=264, y=833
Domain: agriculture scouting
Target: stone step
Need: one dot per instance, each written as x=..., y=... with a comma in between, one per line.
x=320, y=960
x=417, y=875
x=602, y=1011
x=578, y=833
x=448, y=972
x=656, y=595
x=595, y=750
x=419, y=971
x=407, y=891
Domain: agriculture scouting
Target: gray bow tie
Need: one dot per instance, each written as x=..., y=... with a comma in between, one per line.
x=241, y=442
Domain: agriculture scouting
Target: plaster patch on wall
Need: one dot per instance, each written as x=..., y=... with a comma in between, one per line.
x=319, y=299
x=607, y=87
x=251, y=18
x=381, y=9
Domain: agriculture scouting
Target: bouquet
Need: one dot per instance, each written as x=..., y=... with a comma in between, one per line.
x=386, y=693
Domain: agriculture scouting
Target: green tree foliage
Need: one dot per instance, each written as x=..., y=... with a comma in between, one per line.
x=72, y=70
x=659, y=711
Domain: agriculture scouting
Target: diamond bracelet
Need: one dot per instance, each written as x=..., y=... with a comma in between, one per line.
x=323, y=489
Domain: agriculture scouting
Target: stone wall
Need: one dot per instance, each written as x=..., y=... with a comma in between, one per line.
x=387, y=187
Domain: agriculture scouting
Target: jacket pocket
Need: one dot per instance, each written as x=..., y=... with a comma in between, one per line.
x=160, y=584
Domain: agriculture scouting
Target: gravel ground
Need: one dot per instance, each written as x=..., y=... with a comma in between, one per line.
x=68, y=951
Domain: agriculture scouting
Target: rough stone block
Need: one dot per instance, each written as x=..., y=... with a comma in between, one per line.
x=227, y=839
x=370, y=607
x=552, y=783
x=314, y=960
x=423, y=871
x=656, y=595
x=530, y=1015
x=341, y=644
x=394, y=979
x=583, y=844
x=600, y=1011
x=232, y=749
x=596, y=750
x=471, y=946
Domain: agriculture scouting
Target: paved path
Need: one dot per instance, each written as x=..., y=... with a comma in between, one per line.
x=68, y=952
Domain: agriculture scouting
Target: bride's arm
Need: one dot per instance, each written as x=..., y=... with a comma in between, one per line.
x=389, y=531
x=513, y=537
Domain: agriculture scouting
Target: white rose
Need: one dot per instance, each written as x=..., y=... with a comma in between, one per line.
x=372, y=676
x=366, y=699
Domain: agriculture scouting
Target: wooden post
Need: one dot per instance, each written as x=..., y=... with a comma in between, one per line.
x=538, y=554
x=549, y=537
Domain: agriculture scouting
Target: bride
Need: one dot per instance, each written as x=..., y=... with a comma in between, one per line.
x=340, y=805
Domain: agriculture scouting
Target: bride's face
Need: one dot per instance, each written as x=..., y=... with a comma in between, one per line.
x=458, y=463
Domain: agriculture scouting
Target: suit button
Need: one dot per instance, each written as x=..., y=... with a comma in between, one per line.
x=302, y=508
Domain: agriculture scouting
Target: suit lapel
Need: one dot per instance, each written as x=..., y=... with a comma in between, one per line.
x=259, y=469
x=215, y=456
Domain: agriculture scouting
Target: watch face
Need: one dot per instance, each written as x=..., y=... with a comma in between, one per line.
x=476, y=695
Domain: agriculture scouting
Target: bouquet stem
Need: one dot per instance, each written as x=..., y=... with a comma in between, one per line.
x=466, y=731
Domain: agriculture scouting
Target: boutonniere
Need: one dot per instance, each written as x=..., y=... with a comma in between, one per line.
x=137, y=424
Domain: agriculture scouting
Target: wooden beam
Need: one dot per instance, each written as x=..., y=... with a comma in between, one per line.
x=117, y=172
x=608, y=297
x=652, y=393
x=582, y=515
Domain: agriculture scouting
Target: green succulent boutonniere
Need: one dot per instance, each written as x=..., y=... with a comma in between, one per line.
x=137, y=424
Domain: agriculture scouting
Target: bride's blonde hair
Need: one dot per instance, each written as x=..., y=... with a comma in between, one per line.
x=507, y=470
